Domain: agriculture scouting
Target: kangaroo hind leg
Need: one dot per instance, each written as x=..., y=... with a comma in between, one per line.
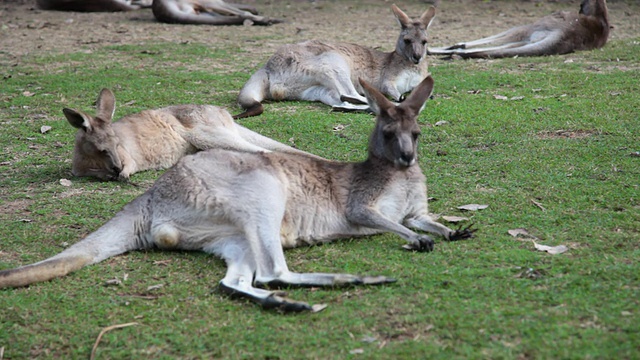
x=239, y=277
x=252, y=94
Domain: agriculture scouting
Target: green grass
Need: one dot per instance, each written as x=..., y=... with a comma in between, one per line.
x=566, y=144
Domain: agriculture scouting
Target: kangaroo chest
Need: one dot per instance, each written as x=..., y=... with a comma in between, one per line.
x=322, y=216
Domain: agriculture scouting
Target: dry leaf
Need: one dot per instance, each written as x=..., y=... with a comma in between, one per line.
x=112, y=282
x=519, y=232
x=454, y=219
x=356, y=351
x=517, y=98
x=45, y=129
x=65, y=182
x=28, y=93
x=338, y=127
x=553, y=250
x=473, y=207
x=500, y=97
x=440, y=123
x=369, y=339
x=154, y=287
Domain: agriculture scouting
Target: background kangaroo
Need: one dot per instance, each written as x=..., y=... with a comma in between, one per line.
x=155, y=139
x=245, y=207
x=93, y=5
x=328, y=72
x=210, y=12
x=559, y=33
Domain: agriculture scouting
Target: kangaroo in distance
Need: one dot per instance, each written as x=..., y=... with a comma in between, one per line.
x=560, y=33
x=93, y=5
x=155, y=139
x=247, y=207
x=315, y=70
x=208, y=12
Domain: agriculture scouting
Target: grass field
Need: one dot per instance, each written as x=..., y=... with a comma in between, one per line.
x=550, y=144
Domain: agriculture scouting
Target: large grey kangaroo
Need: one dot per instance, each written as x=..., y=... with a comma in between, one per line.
x=559, y=33
x=247, y=207
x=328, y=72
x=155, y=139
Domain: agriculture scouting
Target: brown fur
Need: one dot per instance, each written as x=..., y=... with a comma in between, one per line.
x=155, y=139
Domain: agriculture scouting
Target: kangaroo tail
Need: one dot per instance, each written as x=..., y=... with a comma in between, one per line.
x=119, y=235
x=270, y=144
x=252, y=94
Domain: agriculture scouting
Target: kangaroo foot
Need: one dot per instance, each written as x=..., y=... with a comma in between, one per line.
x=424, y=244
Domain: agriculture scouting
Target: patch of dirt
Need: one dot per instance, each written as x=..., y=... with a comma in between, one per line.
x=24, y=29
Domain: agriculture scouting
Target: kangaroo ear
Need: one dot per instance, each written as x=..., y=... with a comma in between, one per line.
x=402, y=18
x=377, y=102
x=427, y=17
x=78, y=119
x=419, y=95
x=106, y=105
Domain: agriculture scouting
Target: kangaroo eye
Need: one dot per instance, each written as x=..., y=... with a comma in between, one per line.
x=424, y=42
x=416, y=135
x=387, y=134
x=407, y=41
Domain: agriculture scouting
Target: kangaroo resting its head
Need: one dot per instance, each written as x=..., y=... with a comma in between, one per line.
x=412, y=41
x=96, y=147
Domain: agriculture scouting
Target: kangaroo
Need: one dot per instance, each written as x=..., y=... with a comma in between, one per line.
x=560, y=33
x=315, y=70
x=247, y=207
x=210, y=12
x=93, y=5
x=155, y=139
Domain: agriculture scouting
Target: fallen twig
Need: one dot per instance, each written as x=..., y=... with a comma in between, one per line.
x=102, y=332
x=538, y=205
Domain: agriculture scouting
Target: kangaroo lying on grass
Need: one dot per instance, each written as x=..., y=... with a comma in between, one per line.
x=93, y=5
x=210, y=12
x=328, y=72
x=559, y=33
x=155, y=139
x=245, y=207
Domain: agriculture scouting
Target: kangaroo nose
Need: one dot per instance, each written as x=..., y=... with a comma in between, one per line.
x=407, y=158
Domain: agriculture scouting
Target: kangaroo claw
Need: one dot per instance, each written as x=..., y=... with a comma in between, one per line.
x=462, y=233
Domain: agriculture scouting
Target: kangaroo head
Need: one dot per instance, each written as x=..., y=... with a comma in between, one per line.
x=96, y=148
x=412, y=42
x=596, y=8
x=395, y=137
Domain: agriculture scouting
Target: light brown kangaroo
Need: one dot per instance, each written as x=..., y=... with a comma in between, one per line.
x=209, y=12
x=93, y=5
x=328, y=72
x=155, y=139
x=247, y=207
x=559, y=33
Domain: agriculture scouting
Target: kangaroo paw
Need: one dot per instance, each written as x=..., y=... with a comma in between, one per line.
x=462, y=233
x=424, y=244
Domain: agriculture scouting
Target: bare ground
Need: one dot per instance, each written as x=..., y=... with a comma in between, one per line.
x=24, y=29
